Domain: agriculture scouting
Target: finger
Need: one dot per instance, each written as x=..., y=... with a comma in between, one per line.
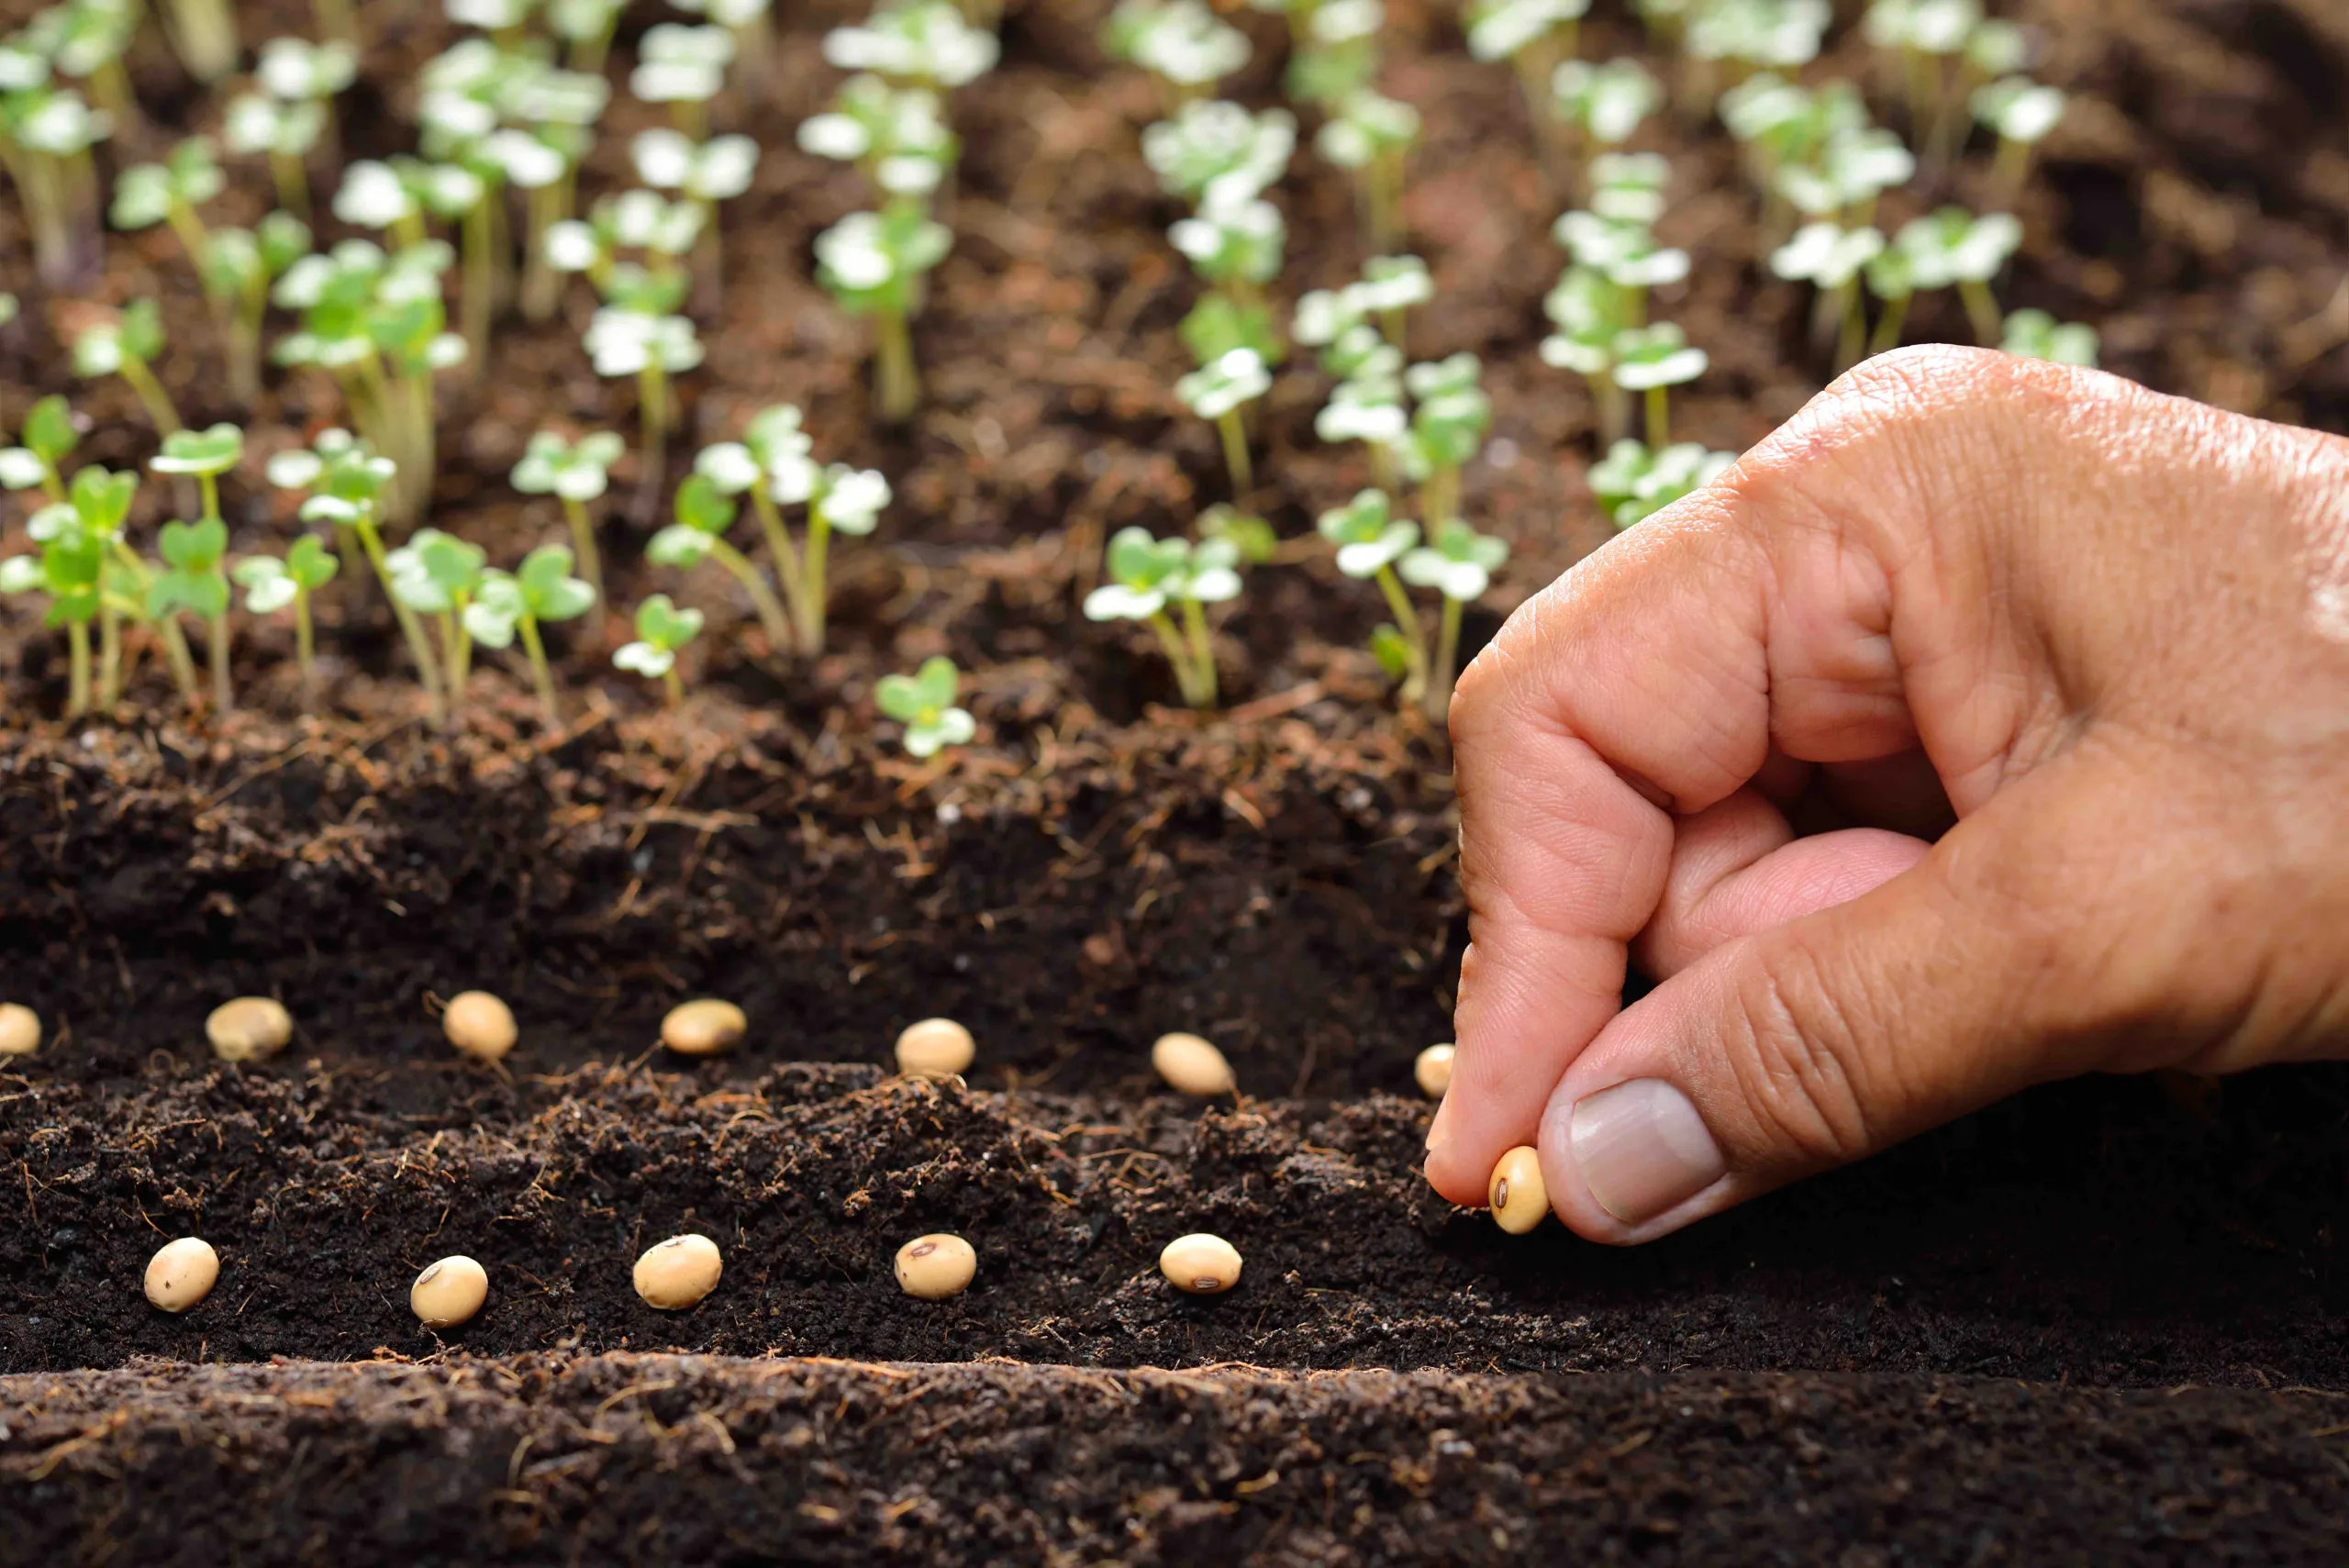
x=1738, y=868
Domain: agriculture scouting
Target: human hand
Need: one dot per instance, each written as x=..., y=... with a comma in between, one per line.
x=2103, y=632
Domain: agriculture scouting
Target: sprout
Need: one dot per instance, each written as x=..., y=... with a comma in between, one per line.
x=372, y=196
x=1147, y=575
x=238, y=267
x=1953, y=247
x=192, y=580
x=50, y=435
x=1534, y=37
x=1635, y=481
x=1606, y=101
x=272, y=585
x=1370, y=539
x=1926, y=35
x=1370, y=135
x=2035, y=335
x=1831, y=260
x=924, y=703
x=706, y=173
x=1368, y=407
x=437, y=575
x=540, y=591
x=150, y=194
x=586, y=28
x=127, y=346
x=1448, y=423
x=1764, y=34
x=1625, y=253
x=644, y=337
x=682, y=67
x=258, y=125
x=1236, y=247
x=873, y=264
x=1182, y=43
x=915, y=42
x=1250, y=534
x=1459, y=564
x=747, y=21
x=893, y=134
x=1218, y=154
x=662, y=628
x=1652, y=360
x=1590, y=313
x=70, y=568
x=204, y=34
x=704, y=513
x=1630, y=187
x=1336, y=48
x=86, y=41
x=1216, y=392
x=46, y=134
x=1215, y=327
x=577, y=473
x=2020, y=113
x=1854, y=167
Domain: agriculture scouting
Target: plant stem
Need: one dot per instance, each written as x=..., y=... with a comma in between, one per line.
x=1195, y=621
x=583, y=545
x=786, y=557
x=1186, y=678
x=1415, y=637
x=1441, y=496
x=1381, y=468
x=763, y=599
x=1235, y=453
x=305, y=649
x=542, y=284
x=1659, y=421
x=2012, y=167
x=109, y=654
x=77, y=698
x=151, y=395
x=652, y=412
x=1982, y=308
x=336, y=21
x=183, y=662
x=1888, y=324
x=539, y=675
x=209, y=484
x=1447, y=651
x=205, y=34
x=812, y=620
x=428, y=670
x=673, y=687
x=216, y=638
x=480, y=283
x=1614, y=409
x=1852, y=342
x=896, y=384
x=458, y=644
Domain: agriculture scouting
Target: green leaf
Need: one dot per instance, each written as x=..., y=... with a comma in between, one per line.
x=193, y=546
x=1392, y=649
x=1252, y=535
x=548, y=587
x=49, y=430
x=900, y=696
x=937, y=682
x=210, y=451
x=660, y=622
x=497, y=608
x=269, y=586
x=311, y=563
x=102, y=499
x=142, y=329
x=703, y=506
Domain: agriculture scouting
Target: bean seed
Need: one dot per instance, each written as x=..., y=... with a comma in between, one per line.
x=935, y=1267
x=678, y=1273
x=1434, y=1069
x=448, y=1293
x=182, y=1274
x=249, y=1029
x=1518, y=1195
x=1192, y=1065
x=935, y=1048
x=703, y=1029
x=479, y=1025
x=1200, y=1265
x=19, y=1029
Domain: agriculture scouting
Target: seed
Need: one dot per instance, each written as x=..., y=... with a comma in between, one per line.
x=1201, y=1265
x=703, y=1029
x=448, y=1293
x=479, y=1025
x=1192, y=1065
x=1518, y=1195
x=935, y=1048
x=182, y=1274
x=249, y=1029
x=1434, y=1069
x=935, y=1267
x=19, y=1029
x=678, y=1273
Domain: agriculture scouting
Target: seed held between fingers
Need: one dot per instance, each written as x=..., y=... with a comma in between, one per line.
x=1517, y=1193
x=704, y=1028
x=182, y=1274
x=1433, y=1071
x=1192, y=1065
x=249, y=1029
x=678, y=1273
x=448, y=1293
x=937, y=1266
x=479, y=1025
x=1200, y=1265
x=935, y=1048
x=19, y=1029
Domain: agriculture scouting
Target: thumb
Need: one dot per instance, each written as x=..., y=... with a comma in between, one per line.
x=2026, y=946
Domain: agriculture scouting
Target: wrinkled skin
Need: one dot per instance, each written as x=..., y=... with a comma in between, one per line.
x=1988, y=724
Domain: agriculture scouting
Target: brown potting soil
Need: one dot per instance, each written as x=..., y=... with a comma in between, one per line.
x=1829, y=1373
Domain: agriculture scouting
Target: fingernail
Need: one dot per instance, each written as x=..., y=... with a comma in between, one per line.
x=1641, y=1148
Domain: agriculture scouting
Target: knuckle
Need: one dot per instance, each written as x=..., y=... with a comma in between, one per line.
x=1800, y=1052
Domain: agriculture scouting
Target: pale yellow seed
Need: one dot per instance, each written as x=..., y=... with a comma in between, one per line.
x=182, y=1274
x=249, y=1029
x=935, y=1048
x=705, y=1028
x=1192, y=1065
x=1434, y=1069
x=1201, y=1265
x=19, y=1029
x=479, y=1025
x=448, y=1293
x=678, y=1273
x=935, y=1267
x=1517, y=1193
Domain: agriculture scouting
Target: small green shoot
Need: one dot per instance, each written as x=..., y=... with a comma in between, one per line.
x=1457, y=563
x=2035, y=335
x=51, y=432
x=575, y=473
x=1370, y=539
x=924, y=703
x=1183, y=44
x=193, y=580
x=1635, y=482
x=538, y=593
x=1217, y=393
x=1832, y=261
x=922, y=43
x=704, y=513
x=2019, y=113
x=873, y=263
x=662, y=631
x=1147, y=575
x=1370, y=136
x=437, y=575
x=128, y=346
x=272, y=585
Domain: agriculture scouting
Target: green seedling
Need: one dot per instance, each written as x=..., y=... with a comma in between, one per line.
x=1336, y=47
x=538, y=593
x=1370, y=539
x=127, y=346
x=560, y=109
x=1953, y=247
x=1248, y=534
x=46, y=135
x=702, y=173
x=439, y=574
x=86, y=40
x=1215, y=327
x=1651, y=361
x=1625, y=253
x=662, y=631
x=291, y=113
x=1390, y=288
x=918, y=43
x=662, y=231
x=1217, y=393
x=147, y=193
x=1370, y=135
x=895, y=135
x=575, y=473
x=704, y=513
x=682, y=67
x=1605, y=104
x=924, y=703
x=841, y=500
x=1457, y=563
x=1758, y=34
x=2019, y=113
x=1449, y=417
x=586, y=28
x=1369, y=408
x=1854, y=168
x=97, y=507
x=1630, y=187
x=2035, y=335
x=1147, y=575
x=1590, y=315
x=204, y=35
x=69, y=569
x=239, y=266
x=753, y=38
x=204, y=455
x=873, y=263
x=272, y=585
x=1183, y=44
x=1236, y=248
x=1635, y=482
x=345, y=482
x=1534, y=37
x=193, y=580
x=50, y=434
x=1924, y=38
x=1832, y=259
x=645, y=338
x=1216, y=154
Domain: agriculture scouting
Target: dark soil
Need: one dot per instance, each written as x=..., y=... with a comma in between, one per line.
x=1094, y=870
